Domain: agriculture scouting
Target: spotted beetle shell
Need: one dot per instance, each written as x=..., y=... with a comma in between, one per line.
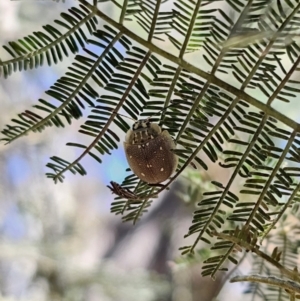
x=148, y=152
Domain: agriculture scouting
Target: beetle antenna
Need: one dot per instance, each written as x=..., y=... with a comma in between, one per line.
x=162, y=110
x=123, y=115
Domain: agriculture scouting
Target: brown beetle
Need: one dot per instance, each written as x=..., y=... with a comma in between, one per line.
x=148, y=152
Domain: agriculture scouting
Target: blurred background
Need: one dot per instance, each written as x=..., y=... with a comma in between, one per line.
x=60, y=242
